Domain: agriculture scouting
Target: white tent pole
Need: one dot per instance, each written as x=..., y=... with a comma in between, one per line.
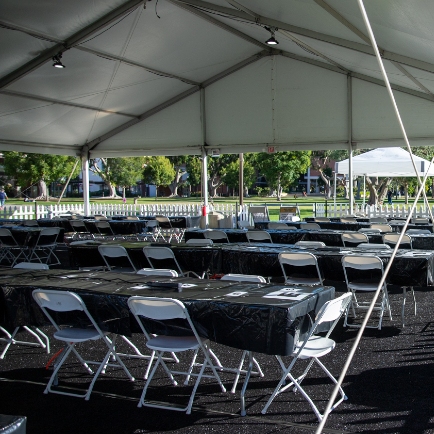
x=85, y=181
x=386, y=272
x=204, y=156
x=369, y=311
x=350, y=140
x=364, y=191
x=334, y=188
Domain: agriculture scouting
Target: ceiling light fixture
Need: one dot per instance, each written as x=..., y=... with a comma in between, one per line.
x=57, y=63
x=272, y=40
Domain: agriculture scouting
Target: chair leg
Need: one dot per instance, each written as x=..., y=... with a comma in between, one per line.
x=10, y=339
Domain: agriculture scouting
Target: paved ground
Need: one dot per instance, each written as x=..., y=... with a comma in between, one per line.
x=389, y=384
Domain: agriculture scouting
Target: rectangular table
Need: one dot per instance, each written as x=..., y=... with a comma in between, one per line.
x=248, y=321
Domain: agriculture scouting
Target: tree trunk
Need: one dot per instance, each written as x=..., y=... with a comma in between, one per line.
x=42, y=190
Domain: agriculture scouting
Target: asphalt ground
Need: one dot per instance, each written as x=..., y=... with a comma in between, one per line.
x=389, y=385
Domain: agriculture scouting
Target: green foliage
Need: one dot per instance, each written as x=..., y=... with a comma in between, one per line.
x=159, y=171
x=126, y=171
x=231, y=176
x=193, y=166
x=28, y=169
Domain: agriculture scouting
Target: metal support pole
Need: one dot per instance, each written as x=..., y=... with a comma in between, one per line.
x=241, y=179
x=350, y=140
x=204, y=157
x=85, y=180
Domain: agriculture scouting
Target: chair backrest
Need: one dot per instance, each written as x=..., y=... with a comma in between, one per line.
x=32, y=266
x=420, y=221
x=7, y=239
x=332, y=310
x=310, y=226
x=259, y=236
x=244, y=278
x=373, y=246
x=348, y=220
x=245, y=224
x=392, y=239
x=322, y=219
x=161, y=255
x=115, y=251
x=311, y=244
x=158, y=272
x=353, y=239
x=78, y=225
x=200, y=242
x=101, y=217
x=259, y=213
x=382, y=226
x=59, y=301
x=277, y=225
x=300, y=259
x=216, y=236
x=163, y=221
x=48, y=237
x=130, y=217
x=157, y=308
x=378, y=220
x=362, y=262
x=103, y=227
x=31, y=222
x=418, y=231
x=369, y=230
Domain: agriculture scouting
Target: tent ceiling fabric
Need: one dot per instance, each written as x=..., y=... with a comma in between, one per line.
x=385, y=162
x=135, y=70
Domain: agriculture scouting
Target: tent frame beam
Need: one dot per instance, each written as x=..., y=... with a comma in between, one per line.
x=355, y=46
x=75, y=39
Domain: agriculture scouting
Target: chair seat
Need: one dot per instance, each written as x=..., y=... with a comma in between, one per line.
x=173, y=343
x=363, y=286
x=317, y=346
x=77, y=335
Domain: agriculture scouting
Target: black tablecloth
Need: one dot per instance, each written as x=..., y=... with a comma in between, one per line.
x=413, y=268
x=246, y=321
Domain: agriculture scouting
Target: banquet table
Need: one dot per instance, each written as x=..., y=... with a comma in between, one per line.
x=410, y=267
x=248, y=316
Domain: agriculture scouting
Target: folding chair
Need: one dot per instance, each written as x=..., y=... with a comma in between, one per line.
x=245, y=224
x=152, y=231
x=406, y=243
x=244, y=278
x=382, y=226
x=116, y=258
x=200, y=242
x=363, y=274
x=34, y=331
x=10, y=249
x=258, y=237
x=420, y=221
x=373, y=246
x=300, y=268
x=103, y=227
x=165, y=257
x=43, y=250
x=167, y=230
x=164, y=309
x=378, y=220
x=322, y=219
x=312, y=348
x=216, y=235
x=348, y=220
x=353, y=239
x=31, y=222
x=418, y=231
x=277, y=225
x=310, y=226
x=310, y=244
x=65, y=301
x=80, y=229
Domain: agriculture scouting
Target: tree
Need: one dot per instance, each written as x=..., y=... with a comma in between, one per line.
x=232, y=175
x=126, y=171
x=194, y=171
x=39, y=169
x=217, y=168
x=179, y=163
x=159, y=171
x=282, y=169
x=101, y=167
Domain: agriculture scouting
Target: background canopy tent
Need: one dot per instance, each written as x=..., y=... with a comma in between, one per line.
x=178, y=77
x=385, y=162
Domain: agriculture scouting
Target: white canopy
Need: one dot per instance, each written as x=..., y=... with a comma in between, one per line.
x=385, y=162
x=178, y=76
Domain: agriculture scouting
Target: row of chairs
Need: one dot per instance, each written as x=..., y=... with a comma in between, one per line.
x=312, y=346
x=349, y=219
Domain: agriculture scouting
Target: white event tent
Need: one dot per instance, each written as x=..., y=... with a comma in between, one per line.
x=172, y=77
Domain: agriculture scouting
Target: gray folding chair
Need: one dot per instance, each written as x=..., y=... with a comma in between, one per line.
x=258, y=237
x=353, y=239
x=45, y=246
x=116, y=258
x=300, y=268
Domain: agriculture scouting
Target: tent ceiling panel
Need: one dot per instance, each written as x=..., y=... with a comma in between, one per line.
x=373, y=115
x=301, y=13
x=399, y=26
x=58, y=19
x=84, y=74
x=310, y=93
x=426, y=78
x=242, y=103
x=177, y=42
x=12, y=107
x=18, y=48
x=176, y=126
x=53, y=123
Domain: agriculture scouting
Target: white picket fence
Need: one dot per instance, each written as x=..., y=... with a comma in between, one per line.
x=399, y=210
x=37, y=210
